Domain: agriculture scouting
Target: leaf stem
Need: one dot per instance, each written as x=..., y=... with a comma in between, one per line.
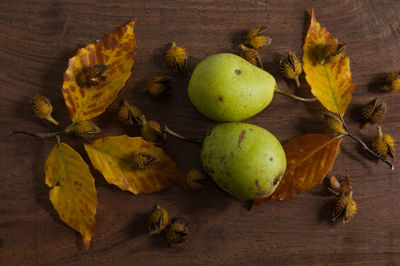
x=365, y=147
x=313, y=99
x=369, y=150
x=38, y=135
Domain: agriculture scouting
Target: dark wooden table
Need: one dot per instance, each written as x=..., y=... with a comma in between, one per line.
x=38, y=37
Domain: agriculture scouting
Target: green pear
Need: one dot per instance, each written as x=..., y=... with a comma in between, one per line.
x=227, y=88
x=244, y=160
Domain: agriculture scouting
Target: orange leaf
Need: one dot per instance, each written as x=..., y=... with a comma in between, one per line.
x=331, y=81
x=115, y=50
x=309, y=158
x=72, y=193
x=115, y=157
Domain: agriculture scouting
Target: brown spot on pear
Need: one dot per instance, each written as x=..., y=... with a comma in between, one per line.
x=249, y=174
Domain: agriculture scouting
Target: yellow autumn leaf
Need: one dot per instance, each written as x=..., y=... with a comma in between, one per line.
x=133, y=164
x=327, y=73
x=111, y=60
x=309, y=158
x=73, y=193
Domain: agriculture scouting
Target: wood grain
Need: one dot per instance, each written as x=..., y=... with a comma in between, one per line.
x=38, y=37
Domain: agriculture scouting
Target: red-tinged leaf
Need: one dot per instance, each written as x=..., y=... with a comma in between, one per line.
x=309, y=158
x=97, y=73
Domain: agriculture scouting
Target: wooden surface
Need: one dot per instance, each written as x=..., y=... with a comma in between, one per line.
x=38, y=37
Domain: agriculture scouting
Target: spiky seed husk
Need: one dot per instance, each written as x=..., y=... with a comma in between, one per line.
x=296, y=63
x=384, y=144
x=368, y=109
x=395, y=84
x=157, y=221
x=392, y=82
x=151, y=130
x=332, y=50
x=251, y=55
x=144, y=160
x=373, y=112
x=177, y=58
x=177, y=233
x=128, y=113
x=351, y=210
x=341, y=186
x=345, y=206
x=333, y=124
x=42, y=108
x=259, y=42
x=292, y=67
x=135, y=110
x=391, y=144
x=379, y=113
x=85, y=130
x=256, y=39
x=379, y=144
x=158, y=85
x=329, y=48
x=254, y=32
x=345, y=185
x=125, y=115
x=197, y=180
x=92, y=76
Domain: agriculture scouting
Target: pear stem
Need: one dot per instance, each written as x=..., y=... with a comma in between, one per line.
x=38, y=135
x=313, y=99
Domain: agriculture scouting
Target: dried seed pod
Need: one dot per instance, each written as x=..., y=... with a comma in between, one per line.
x=345, y=206
x=42, y=108
x=129, y=113
x=85, y=130
x=292, y=67
x=392, y=82
x=158, y=85
x=332, y=50
x=373, y=112
x=379, y=113
x=251, y=55
x=334, y=183
x=197, y=180
x=384, y=144
x=177, y=58
x=151, y=130
x=92, y=76
x=341, y=186
x=177, y=232
x=368, y=109
x=143, y=160
x=157, y=221
x=333, y=124
x=256, y=39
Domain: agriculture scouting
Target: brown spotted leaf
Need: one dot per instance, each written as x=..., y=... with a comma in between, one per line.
x=73, y=193
x=309, y=158
x=327, y=70
x=133, y=164
x=97, y=73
